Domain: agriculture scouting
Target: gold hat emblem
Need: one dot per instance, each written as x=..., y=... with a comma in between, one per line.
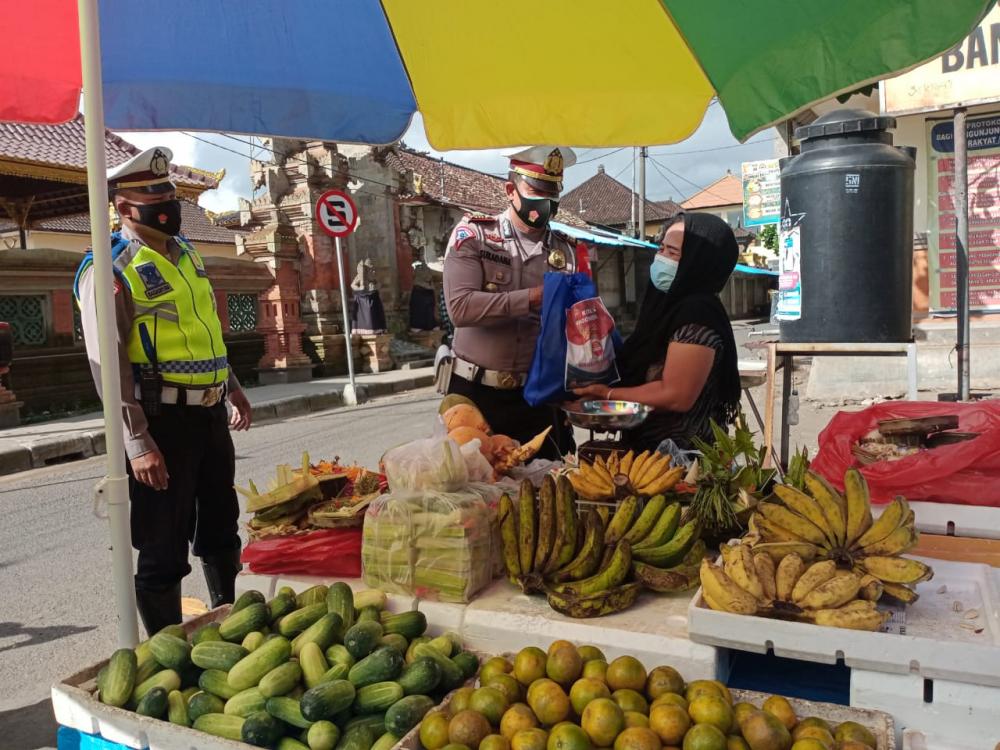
x=553, y=163
x=159, y=164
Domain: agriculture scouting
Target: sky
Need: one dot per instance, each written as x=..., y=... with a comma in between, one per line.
x=676, y=171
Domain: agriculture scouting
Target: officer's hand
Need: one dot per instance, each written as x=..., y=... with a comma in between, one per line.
x=242, y=413
x=535, y=297
x=151, y=469
x=597, y=390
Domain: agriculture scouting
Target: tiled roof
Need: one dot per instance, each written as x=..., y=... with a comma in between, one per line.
x=65, y=146
x=603, y=200
x=196, y=226
x=726, y=191
x=445, y=182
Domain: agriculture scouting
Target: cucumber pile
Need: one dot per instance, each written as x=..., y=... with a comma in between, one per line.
x=324, y=669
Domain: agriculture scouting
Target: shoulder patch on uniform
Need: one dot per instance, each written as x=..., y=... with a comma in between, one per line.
x=462, y=233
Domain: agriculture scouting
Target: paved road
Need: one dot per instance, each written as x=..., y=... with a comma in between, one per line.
x=55, y=581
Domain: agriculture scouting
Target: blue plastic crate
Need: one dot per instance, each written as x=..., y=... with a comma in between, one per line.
x=767, y=673
x=74, y=739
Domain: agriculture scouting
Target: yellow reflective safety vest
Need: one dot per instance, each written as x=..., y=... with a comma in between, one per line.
x=176, y=319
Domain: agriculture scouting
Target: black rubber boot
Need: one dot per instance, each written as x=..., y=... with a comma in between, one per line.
x=159, y=608
x=220, y=575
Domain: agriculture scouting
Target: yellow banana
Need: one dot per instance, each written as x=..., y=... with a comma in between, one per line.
x=653, y=469
x=721, y=590
x=646, y=520
x=595, y=477
x=508, y=534
x=604, y=513
x=854, y=619
x=804, y=506
x=738, y=564
x=711, y=602
x=778, y=550
x=612, y=464
x=771, y=532
x=793, y=522
x=585, y=489
x=871, y=587
x=527, y=530
x=637, y=465
x=831, y=504
x=626, y=463
x=612, y=575
x=859, y=507
x=832, y=593
x=813, y=576
x=899, y=592
x=766, y=574
x=897, y=569
x=859, y=605
x=602, y=470
x=893, y=515
x=622, y=520
x=789, y=570
x=664, y=482
x=899, y=541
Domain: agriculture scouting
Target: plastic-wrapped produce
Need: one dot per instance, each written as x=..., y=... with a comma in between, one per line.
x=432, y=464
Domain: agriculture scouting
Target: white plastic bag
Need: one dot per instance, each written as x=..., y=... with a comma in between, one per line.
x=432, y=464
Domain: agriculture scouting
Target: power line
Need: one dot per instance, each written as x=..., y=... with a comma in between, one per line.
x=682, y=177
x=680, y=193
x=718, y=148
x=601, y=156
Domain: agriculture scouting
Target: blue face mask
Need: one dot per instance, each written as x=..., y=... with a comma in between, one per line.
x=662, y=272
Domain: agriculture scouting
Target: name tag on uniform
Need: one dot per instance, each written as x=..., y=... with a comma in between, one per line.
x=152, y=280
x=495, y=257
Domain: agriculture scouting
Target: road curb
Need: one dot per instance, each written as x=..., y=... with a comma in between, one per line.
x=39, y=453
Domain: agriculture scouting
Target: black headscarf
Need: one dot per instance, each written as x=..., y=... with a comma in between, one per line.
x=708, y=256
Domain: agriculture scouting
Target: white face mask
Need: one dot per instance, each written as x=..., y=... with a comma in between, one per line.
x=663, y=271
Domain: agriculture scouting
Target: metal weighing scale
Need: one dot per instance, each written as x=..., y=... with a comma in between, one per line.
x=608, y=418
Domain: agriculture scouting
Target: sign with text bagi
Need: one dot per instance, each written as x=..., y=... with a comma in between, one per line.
x=336, y=213
x=967, y=74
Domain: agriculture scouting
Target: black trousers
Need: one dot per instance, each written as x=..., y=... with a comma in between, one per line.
x=198, y=507
x=509, y=414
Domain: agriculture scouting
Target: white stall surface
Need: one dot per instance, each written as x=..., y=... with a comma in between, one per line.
x=980, y=521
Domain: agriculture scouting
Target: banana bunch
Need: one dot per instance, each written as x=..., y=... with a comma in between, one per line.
x=752, y=584
x=595, y=565
x=646, y=474
x=820, y=524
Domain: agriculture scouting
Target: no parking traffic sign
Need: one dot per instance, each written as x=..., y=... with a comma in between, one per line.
x=336, y=213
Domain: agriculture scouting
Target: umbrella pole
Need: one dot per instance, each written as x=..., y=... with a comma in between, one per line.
x=113, y=488
x=350, y=390
x=962, y=251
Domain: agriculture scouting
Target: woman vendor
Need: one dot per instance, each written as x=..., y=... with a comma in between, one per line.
x=681, y=360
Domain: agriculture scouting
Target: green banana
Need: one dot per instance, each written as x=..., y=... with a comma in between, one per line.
x=669, y=554
x=665, y=581
x=526, y=532
x=612, y=575
x=664, y=530
x=596, y=605
x=647, y=520
x=622, y=520
x=588, y=559
x=508, y=534
x=566, y=525
x=547, y=524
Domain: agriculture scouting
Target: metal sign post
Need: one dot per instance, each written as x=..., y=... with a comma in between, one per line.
x=337, y=215
x=962, y=251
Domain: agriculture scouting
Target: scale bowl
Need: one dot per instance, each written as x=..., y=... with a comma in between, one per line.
x=608, y=416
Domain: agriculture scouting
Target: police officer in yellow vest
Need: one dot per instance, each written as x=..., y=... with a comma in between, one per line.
x=175, y=380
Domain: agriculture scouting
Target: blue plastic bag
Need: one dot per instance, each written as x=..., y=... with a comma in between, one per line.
x=557, y=365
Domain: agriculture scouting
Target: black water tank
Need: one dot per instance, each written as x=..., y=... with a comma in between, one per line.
x=849, y=194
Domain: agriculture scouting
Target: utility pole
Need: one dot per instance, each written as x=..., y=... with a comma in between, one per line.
x=631, y=227
x=962, y=255
x=642, y=193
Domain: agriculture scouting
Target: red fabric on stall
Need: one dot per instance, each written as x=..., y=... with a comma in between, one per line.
x=40, y=77
x=965, y=473
x=325, y=552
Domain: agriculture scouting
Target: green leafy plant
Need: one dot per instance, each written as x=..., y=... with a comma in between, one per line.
x=768, y=236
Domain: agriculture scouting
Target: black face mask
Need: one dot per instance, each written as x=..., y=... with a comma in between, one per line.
x=536, y=212
x=163, y=217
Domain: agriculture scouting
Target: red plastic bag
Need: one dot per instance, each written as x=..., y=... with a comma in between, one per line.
x=325, y=552
x=965, y=473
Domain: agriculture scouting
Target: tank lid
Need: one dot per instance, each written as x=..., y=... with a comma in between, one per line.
x=844, y=122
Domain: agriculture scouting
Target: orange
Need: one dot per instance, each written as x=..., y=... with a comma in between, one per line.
x=813, y=721
x=670, y=723
x=494, y=742
x=455, y=746
x=496, y=665
x=529, y=739
x=595, y=669
x=468, y=728
x=724, y=690
x=434, y=731
x=506, y=685
x=811, y=743
x=564, y=664
x=549, y=702
x=630, y=700
x=663, y=680
x=704, y=737
x=637, y=738
x=491, y=703
x=517, y=718
x=602, y=720
x=584, y=691
x=780, y=708
x=567, y=736
x=460, y=700
x=702, y=687
x=813, y=732
x=556, y=645
x=589, y=653
x=851, y=730
x=626, y=673
x=711, y=709
x=636, y=719
x=735, y=742
x=741, y=711
x=529, y=665
x=673, y=698
x=533, y=687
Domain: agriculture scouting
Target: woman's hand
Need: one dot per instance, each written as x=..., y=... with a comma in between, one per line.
x=593, y=391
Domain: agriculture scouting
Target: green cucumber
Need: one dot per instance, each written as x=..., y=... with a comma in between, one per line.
x=312, y=595
x=221, y=725
x=421, y=677
x=249, y=670
x=362, y=638
x=451, y=673
x=313, y=664
x=287, y=710
x=177, y=712
x=468, y=662
x=280, y=606
x=410, y=656
x=326, y=631
x=216, y=682
x=376, y=698
x=394, y=640
x=374, y=724
x=338, y=654
x=444, y=645
x=385, y=663
x=280, y=680
x=247, y=598
x=327, y=699
x=189, y=693
x=387, y=741
x=340, y=599
x=218, y=655
x=336, y=672
x=170, y=651
x=296, y=622
x=208, y=632
x=369, y=614
x=168, y=679
x=204, y=703
x=245, y=703
x=368, y=598
x=253, y=641
x=119, y=678
x=261, y=729
x=153, y=704
x=410, y=625
x=238, y=624
x=147, y=669
x=406, y=713
x=288, y=591
x=323, y=735
x=290, y=743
